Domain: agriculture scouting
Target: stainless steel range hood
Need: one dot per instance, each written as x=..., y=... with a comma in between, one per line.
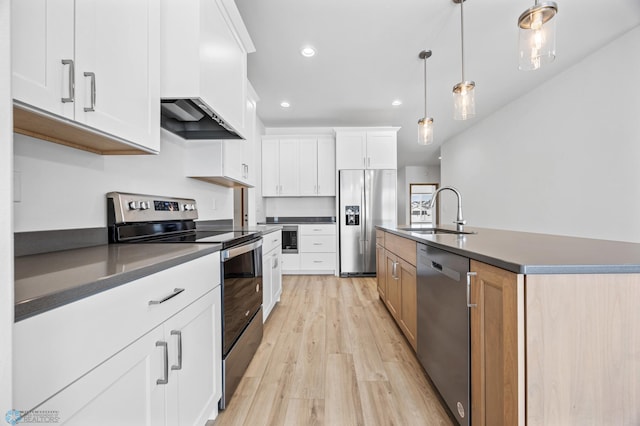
x=193, y=119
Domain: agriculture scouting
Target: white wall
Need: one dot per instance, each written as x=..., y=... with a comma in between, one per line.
x=564, y=158
x=300, y=206
x=6, y=213
x=65, y=188
x=407, y=176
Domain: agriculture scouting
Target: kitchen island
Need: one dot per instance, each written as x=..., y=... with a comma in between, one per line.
x=554, y=339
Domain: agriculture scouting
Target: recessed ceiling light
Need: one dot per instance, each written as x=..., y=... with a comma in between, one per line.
x=308, y=51
x=285, y=104
x=397, y=102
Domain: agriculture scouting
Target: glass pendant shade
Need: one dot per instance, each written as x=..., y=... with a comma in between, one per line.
x=537, y=45
x=425, y=131
x=464, y=102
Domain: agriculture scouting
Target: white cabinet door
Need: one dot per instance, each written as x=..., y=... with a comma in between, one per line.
x=308, y=166
x=223, y=59
x=351, y=150
x=122, y=390
x=381, y=150
x=289, y=166
x=276, y=276
x=326, y=167
x=233, y=164
x=267, y=293
x=42, y=37
x=117, y=60
x=270, y=167
x=195, y=361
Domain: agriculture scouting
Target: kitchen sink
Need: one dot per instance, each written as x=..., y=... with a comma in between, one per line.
x=435, y=231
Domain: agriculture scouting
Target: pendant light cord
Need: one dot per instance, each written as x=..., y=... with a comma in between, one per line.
x=425, y=87
x=462, y=35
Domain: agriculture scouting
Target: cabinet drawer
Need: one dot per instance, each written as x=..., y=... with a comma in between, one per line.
x=290, y=262
x=271, y=241
x=53, y=349
x=317, y=229
x=402, y=247
x=318, y=244
x=317, y=261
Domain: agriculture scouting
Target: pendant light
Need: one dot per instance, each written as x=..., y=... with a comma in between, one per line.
x=537, y=35
x=425, y=124
x=464, y=103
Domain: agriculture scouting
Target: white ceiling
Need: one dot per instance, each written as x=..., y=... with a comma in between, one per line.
x=368, y=56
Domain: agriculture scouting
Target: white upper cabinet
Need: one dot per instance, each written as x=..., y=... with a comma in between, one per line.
x=374, y=148
x=280, y=167
x=117, y=54
x=326, y=167
x=225, y=162
x=289, y=165
x=43, y=54
x=351, y=150
x=270, y=167
x=298, y=166
x=94, y=63
x=204, y=56
x=308, y=166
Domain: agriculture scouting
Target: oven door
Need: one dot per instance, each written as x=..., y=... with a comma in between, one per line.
x=242, y=289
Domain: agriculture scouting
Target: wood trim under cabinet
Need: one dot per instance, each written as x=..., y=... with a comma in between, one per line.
x=60, y=130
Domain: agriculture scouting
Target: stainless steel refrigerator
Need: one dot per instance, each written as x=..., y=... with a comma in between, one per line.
x=367, y=198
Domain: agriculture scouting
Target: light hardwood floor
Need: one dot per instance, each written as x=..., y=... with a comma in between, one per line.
x=332, y=355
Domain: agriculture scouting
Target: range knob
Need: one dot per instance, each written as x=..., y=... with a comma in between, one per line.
x=144, y=205
x=189, y=207
x=133, y=205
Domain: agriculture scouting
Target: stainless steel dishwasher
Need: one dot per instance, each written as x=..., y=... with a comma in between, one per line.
x=443, y=326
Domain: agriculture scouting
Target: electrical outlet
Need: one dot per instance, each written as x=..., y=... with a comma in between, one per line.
x=17, y=186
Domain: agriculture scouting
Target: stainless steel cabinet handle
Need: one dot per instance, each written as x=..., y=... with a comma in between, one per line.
x=469, y=275
x=317, y=229
x=246, y=314
x=258, y=288
x=275, y=262
x=317, y=261
x=394, y=270
x=165, y=379
x=93, y=91
x=179, y=334
x=72, y=80
x=317, y=244
x=368, y=161
x=176, y=291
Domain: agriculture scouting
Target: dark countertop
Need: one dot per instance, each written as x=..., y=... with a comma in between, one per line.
x=300, y=220
x=530, y=253
x=50, y=280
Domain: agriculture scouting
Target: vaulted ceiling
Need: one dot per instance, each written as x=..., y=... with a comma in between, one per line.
x=367, y=57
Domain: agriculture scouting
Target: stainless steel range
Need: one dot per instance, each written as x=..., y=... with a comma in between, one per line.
x=137, y=218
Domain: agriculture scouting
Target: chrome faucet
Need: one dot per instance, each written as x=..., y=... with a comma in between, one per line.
x=459, y=220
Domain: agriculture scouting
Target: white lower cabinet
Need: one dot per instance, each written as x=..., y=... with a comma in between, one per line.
x=170, y=374
x=316, y=251
x=271, y=272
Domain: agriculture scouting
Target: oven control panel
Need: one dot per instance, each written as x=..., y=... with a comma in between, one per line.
x=128, y=207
